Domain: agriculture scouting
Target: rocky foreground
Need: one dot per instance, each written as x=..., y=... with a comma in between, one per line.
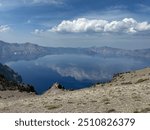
x=127, y=92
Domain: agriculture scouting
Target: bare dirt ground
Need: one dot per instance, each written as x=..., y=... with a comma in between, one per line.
x=127, y=92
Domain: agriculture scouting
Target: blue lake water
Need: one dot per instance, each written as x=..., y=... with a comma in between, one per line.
x=73, y=71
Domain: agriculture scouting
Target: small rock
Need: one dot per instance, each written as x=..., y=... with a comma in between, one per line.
x=1, y=88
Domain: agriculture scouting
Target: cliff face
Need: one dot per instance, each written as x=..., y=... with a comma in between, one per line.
x=9, y=74
x=13, y=86
x=10, y=80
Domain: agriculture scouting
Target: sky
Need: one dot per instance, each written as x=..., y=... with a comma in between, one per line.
x=76, y=23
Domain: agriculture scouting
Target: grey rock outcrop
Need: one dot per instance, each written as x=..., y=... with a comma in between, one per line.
x=56, y=88
x=9, y=74
x=13, y=86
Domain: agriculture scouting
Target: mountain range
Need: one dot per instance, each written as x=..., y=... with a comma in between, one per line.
x=29, y=51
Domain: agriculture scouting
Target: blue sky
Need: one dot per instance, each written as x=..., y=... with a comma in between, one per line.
x=76, y=23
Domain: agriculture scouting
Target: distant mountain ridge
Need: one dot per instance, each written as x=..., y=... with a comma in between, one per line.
x=29, y=51
x=14, y=51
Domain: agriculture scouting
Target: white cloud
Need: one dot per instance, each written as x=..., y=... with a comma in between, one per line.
x=37, y=31
x=4, y=28
x=6, y=4
x=47, y=1
x=143, y=8
x=28, y=21
x=143, y=26
x=83, y=25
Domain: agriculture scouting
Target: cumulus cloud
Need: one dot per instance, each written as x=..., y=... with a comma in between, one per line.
x=4, y=28
x=83, y=25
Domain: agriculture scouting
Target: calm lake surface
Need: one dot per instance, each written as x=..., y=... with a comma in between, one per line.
x=73, y=71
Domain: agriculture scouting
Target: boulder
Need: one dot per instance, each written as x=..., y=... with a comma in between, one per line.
x=56, y=88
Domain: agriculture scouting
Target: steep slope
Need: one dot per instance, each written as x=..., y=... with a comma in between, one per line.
x=127, y=92
x=11, y=86
x=9, y=74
